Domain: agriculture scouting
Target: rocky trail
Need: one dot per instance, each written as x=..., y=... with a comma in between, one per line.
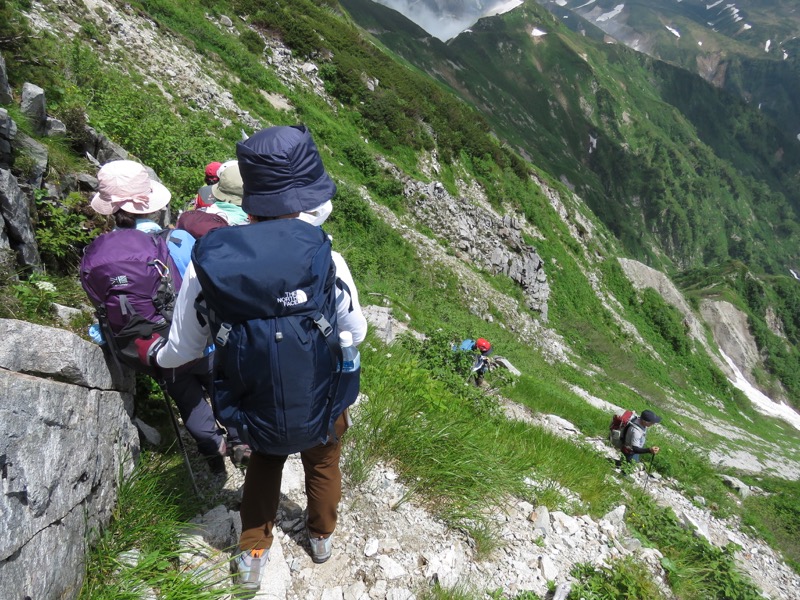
x=387, y=546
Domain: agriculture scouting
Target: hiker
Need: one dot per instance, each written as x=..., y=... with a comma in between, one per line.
x=636, y=436
x=127, y=193
x=211, y=177
x=287, y=195
x=226, y=196
x=483, y=349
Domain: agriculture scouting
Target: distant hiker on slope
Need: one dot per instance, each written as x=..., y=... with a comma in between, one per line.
x=277, y=300
x=483, y=349
x=636, y=436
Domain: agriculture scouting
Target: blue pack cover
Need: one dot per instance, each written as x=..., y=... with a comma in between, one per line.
x=467, y=345
x=266, y=286
x=180, y=245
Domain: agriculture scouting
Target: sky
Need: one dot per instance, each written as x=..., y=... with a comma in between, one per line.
x=439, y=18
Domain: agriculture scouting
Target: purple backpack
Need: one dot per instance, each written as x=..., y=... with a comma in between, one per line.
x=132, y=282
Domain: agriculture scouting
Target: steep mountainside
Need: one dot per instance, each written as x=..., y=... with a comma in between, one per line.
x=451, y=233
x=684, y=174
x=750, y=48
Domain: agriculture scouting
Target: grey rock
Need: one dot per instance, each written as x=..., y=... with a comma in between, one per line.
x=541, y=520
x=33, y=106
x=55, y=128
x=504, y=362
x=225, y=21
x=38, y=155
x=18, y=227
x=216, y=527
x=65, y=314
x=59, y=355
x=737, y=485
x=5, y=88
x=86, y=182
x=150, y=434
x=62, y=448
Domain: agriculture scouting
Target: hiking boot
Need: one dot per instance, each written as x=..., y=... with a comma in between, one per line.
x=248, y=567
x=216, y=464
x=240, y=455
x=320, y=548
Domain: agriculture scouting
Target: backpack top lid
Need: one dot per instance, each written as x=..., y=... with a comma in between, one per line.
x=262, y=270
x=200, y=222
x=621, y=419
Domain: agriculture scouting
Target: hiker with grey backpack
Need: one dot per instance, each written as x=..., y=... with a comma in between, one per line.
x=629, y=434
x=279, y=304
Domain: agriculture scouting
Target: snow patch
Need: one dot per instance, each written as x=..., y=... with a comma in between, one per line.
x=592, y=143
x=710, y=6
x=746, y=26
x=610, y=15
x=585, y=5
x=734, y=12
x=538, y=32
x=767, y=45
x=760, y=401
x=673, y=31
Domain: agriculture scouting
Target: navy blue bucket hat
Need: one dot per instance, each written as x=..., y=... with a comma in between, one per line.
x=282, y=172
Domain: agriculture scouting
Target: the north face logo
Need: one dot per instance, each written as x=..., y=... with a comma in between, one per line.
x=119, y=280
x=293, y=298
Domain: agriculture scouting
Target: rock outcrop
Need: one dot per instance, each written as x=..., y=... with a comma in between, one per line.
x=65, y=439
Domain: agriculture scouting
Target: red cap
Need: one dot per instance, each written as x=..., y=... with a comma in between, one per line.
x=483, y=345
x=212, y=168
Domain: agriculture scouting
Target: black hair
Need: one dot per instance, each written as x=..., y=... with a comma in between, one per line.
x=125, y=220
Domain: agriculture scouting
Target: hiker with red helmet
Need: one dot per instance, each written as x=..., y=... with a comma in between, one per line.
x=211, y=175
x=481, y=364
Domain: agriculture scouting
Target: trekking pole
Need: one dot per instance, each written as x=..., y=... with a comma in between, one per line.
x=174, y=420
x=647, y=470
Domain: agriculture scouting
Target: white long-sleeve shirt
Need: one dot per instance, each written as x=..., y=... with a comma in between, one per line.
x=188, y=338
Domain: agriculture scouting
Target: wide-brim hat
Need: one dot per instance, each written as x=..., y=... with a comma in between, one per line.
x=229, y=186
x=282, y=172
x=126, y=185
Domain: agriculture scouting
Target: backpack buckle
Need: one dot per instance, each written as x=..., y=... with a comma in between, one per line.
x=324, y=326
x=222, y=335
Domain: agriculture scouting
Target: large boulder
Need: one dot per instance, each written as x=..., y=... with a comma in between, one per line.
x=65, y=439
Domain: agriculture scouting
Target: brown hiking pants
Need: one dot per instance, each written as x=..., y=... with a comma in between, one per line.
x=262, y=491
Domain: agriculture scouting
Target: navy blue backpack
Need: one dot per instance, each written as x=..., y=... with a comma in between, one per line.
x=269, y=295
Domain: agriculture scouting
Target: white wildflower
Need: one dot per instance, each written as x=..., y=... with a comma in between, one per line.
x=45, y=286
